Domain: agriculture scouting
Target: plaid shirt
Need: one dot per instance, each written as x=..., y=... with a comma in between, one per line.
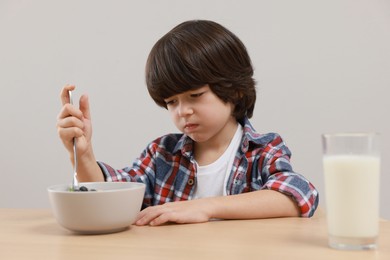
x=168, y=169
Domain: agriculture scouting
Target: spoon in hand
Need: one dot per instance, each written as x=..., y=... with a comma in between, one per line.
x=75, y=183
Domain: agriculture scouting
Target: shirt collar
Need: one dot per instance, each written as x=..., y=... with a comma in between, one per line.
x=185, y=145
x=251, y=136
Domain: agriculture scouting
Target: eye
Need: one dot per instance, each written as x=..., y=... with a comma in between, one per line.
x=195, y=95
x=170, y=102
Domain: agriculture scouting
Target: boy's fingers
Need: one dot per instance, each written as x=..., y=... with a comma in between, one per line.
x=64, y=93
x=147, y=215
x=84, y=106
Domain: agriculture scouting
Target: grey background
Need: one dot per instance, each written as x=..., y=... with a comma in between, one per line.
x=321, y=66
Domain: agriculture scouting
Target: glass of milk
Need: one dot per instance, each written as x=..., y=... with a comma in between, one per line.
x=351, y=164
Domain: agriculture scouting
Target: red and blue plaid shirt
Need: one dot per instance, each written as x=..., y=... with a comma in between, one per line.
x=168, y=169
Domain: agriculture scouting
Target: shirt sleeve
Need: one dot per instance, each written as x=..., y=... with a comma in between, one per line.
x=142, y=170
x=282, y=178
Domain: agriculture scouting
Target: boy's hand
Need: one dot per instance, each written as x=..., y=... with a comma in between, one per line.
x=73, y=122
x=192, y=211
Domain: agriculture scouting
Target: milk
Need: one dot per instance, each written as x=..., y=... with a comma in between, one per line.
x=352, y=195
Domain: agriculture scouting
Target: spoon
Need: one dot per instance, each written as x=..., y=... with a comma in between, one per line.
x=75, y=183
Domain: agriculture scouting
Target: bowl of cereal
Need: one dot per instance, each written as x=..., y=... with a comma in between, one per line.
x=97, y=207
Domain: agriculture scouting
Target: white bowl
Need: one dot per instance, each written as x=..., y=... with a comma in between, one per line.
x=112, y=208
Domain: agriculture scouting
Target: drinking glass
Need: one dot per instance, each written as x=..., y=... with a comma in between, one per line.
x=351, y=163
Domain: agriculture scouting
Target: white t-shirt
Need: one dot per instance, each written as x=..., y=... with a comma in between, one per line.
x=212, y=178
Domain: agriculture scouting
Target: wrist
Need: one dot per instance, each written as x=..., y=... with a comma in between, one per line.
x=212, y=209
x=87, y=168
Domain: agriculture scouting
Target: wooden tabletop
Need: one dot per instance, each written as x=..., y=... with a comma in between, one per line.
x=35, y=234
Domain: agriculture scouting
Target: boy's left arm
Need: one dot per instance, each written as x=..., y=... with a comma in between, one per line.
x=251, y=205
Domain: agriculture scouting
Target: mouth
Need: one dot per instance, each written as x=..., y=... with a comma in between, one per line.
x=190, y=127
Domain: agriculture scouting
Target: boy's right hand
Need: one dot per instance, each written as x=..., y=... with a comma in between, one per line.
x=73, y=122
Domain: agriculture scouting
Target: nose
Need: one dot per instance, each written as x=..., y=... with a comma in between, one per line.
x=184, y=109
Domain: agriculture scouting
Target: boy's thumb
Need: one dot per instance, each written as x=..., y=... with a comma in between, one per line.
x=84, y=106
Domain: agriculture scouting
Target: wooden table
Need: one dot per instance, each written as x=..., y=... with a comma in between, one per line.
x=35, y=234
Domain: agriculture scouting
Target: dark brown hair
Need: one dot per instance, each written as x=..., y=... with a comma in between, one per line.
x=200, y=52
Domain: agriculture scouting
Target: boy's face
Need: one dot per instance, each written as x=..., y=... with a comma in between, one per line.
x=202, y=115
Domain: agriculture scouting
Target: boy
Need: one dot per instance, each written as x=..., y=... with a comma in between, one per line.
x=219, y=167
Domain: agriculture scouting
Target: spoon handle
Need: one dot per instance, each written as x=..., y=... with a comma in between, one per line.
x=75, y=182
